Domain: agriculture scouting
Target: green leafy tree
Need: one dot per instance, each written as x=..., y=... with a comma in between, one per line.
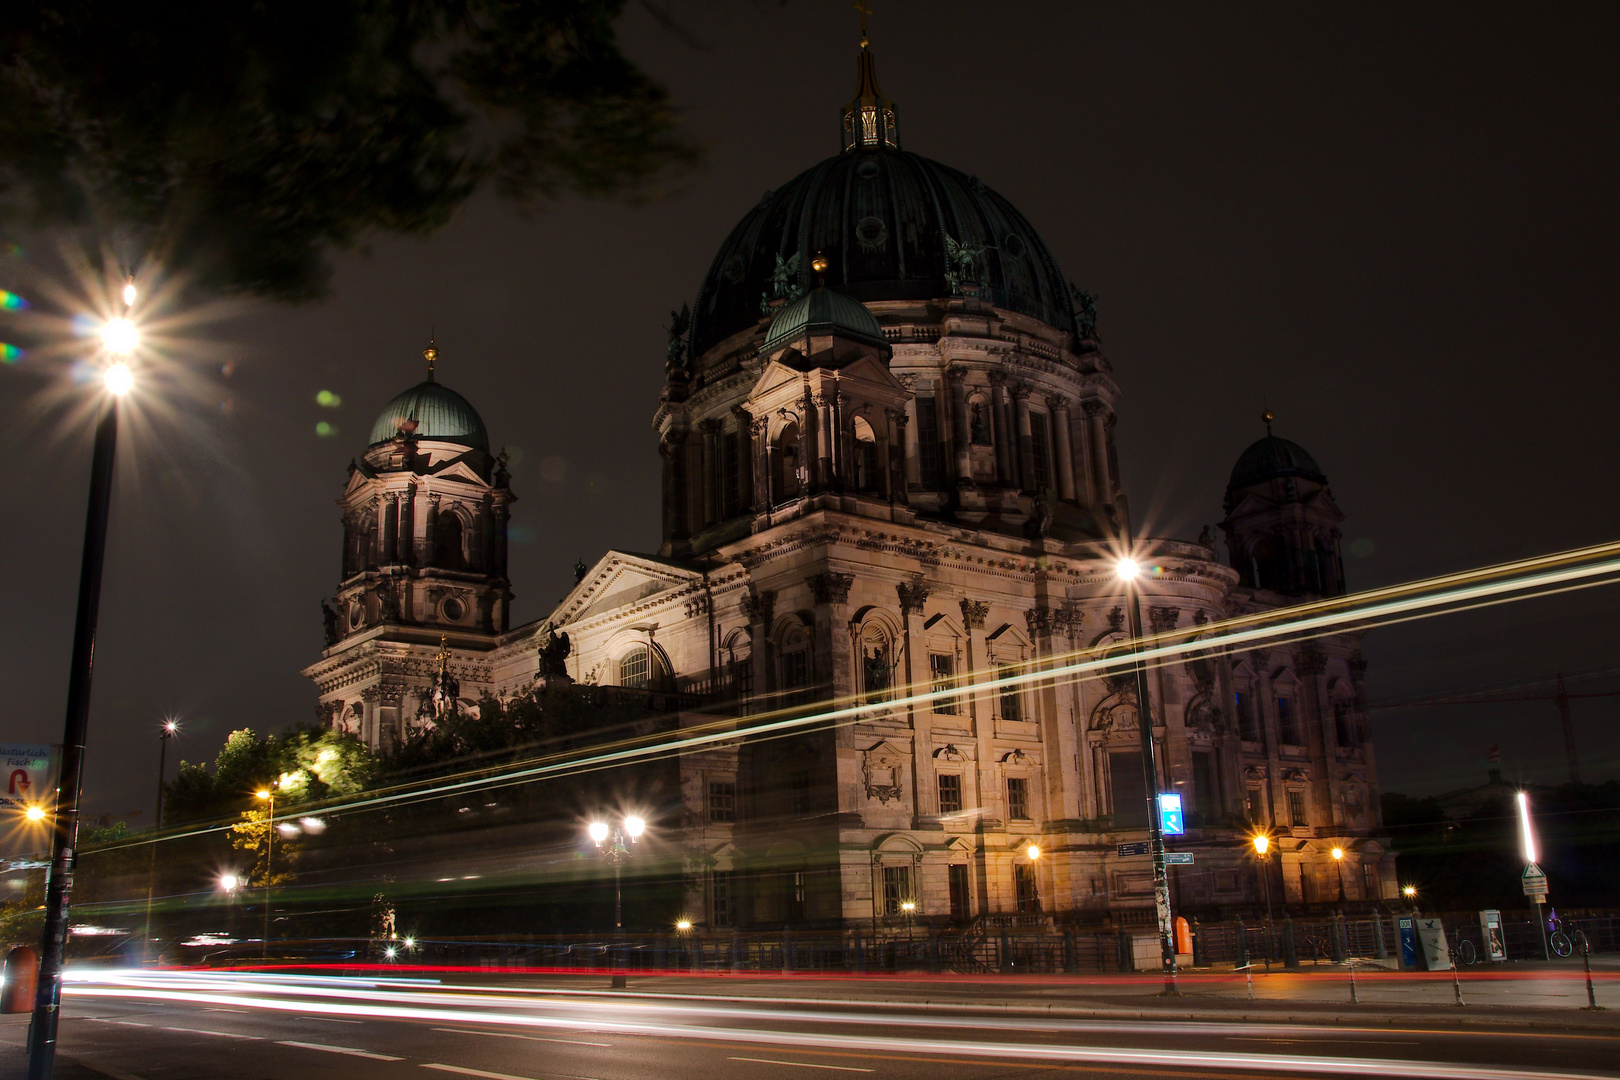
x=243, y=141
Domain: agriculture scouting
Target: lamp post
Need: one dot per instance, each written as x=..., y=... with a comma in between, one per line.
x=269, y=796
x=617, y=851
x=1338, y=863
x=229, y=883
x=170, y=729
x=910, y=909
x=1262, y=843
x=120, y=338
x=1129, y=570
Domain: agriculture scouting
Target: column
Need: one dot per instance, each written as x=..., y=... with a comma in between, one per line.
x=710, y=468
x=692, y=457
x=1095, y=411
x=824, y=437
x=390, y=527
x=407, y=526
x=379, y=546
x=981, y=705
x=885, y=464
x=1059, y=406
x=909, y=430
x=430, y=529
x=502, y=515
x=843, y=474
x=960, y=434
x=899, y=458
x=759, y=432
x=1026, y=441
x=1001, y=432
x=745, y=460
x=913, y=595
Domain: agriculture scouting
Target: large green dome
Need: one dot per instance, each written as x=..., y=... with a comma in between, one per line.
x=1271, y=458
x=437, y=411
x=887, y=222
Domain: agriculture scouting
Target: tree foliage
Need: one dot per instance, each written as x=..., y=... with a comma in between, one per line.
x=305, y=765
x=243, y=141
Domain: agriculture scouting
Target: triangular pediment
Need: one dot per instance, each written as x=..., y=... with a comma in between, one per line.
x=620, y=580
x=458, y=469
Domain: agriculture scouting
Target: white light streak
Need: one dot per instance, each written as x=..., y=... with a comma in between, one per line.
x=1527, y=836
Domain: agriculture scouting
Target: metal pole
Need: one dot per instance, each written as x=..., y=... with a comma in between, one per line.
x=65, y=821
x=269, y=868
x=157, y=823
x=618, y=891
x=1265, y=885
x=1150, y=773
x=1586, y=958
x=1541, y=925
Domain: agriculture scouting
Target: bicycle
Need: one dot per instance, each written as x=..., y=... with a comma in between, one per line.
x=1462, y=954
x=1565, y=943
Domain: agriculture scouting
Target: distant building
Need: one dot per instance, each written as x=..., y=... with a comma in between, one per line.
x=887, y=432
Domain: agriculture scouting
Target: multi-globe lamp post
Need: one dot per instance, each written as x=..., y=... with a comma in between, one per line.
x=120, y=339
x=618, y=839
x=1129, y=571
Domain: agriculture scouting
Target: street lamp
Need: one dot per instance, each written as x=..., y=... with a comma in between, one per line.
x=1129, y=570
x=1338, y=861
x=120, y=337
x=909, y=908
x=269, y=796
x=35, y=812
x=170, y=730
x=617, y=851
x=1262, y=844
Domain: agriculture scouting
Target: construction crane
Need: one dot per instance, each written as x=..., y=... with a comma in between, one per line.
x=1559, y=697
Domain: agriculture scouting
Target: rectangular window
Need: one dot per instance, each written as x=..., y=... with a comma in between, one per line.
x=929, y=465
x=1288, y=728
x=950, y=793
x=1344, y=724
x=1018, y=798
x=799, y=787
x=1255, y=805
x=721, y=909
x=1130, y=795
x=796, y=669
x=1369, y=881
x=1028, y=897
x=742, y=677
x=961, y=907
x=1011, y=707
x=1206, y=788
x=1296, y=810
x=941, y=679
x=896, y=888
x=1043, y=450
x=1248, y=725
x=722, y=800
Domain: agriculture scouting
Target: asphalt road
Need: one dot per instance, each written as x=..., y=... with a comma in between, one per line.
x=189, y=1026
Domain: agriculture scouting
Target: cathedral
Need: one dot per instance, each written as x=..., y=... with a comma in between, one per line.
x=887, y=433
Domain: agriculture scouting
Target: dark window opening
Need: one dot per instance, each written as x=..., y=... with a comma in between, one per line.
x=1296, y=810
x=722, y=910
x=928, y=451
x=1043, y=450
x=1206, y=788
x=799, y=786
x=1289, y=728
x=449, y=552
x=1018, y=798
x=722, y=800
x=961, y=906
x=950, y=793
x=1027, y=895
x=1248, y=722
x=1130, y=794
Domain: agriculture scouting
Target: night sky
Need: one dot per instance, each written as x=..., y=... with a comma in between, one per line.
x=1394, y=224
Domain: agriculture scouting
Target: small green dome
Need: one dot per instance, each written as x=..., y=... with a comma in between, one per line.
x=822, y=311
x=438, y=413
x=1273, y=457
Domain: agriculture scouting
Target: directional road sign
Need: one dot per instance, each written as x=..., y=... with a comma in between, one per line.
x=1140, y=847
x=1178, y=858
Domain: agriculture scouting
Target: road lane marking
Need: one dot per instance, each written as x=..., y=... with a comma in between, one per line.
x=512, y=1035
x=228, y=1010
x=221, y=1034
x=329, y=1019
x=131, y=1023
x=351, y=1051
x=804, y=1064
x=464, y=1071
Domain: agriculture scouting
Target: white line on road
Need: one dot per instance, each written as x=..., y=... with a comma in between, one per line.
x=351, y=1051
x=464, y=1071
x=511, y=1035
x=804, y=1064
x=221, y=1034
x=329, y=1019
x=131, y=1023
x=228, y=1010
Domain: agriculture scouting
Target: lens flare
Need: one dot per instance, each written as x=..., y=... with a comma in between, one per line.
x=9, y=354
x=119, y=380
x=120, y=336
x=10, y=301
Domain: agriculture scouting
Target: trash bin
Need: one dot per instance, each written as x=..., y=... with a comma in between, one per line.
x=22, y=975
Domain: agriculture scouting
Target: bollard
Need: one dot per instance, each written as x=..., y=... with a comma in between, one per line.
x=1456, y=983
x=1379, y=951
x=1248, y=973
x=1290, y=953
x=1354, y=999
x=1200, y=959
x=1242, y=945
x=1127, y=960
x=1341, y=942
x=1586, y=958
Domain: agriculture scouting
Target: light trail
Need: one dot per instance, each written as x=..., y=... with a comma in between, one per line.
x=441, y=1008
x=1447, y=594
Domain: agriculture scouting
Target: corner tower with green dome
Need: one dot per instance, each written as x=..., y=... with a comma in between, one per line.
x=425, y=513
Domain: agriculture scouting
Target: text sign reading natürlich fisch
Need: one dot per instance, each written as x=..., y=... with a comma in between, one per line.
x=27, y=773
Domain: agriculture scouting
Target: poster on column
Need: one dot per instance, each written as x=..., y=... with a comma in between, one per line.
x=27, y=777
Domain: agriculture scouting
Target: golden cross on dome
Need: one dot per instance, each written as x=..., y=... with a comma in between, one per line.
x=865, y=11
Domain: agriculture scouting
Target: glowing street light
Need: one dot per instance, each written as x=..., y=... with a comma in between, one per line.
x=617, y=851
x=1033, y=851
x=1262, y=844
x=35, y=812
x=267, y=794
x=1128, y=570
x=120, y=337
x=1338, y=862
x=229, y=883
x=683, y=925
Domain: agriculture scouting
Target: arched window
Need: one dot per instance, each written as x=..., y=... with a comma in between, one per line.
x=866, y=457
x=635, y=668
x=449, y=549
x=794, y=671
x=788, y=478
x=877, y=661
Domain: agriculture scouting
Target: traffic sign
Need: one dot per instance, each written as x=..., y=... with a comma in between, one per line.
x=1178, y=858
x=1171, y=821
x=26, y=778
x=1534, y=881
x=1140, y=847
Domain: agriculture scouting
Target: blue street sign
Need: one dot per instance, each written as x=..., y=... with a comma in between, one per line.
x=1178, y=858
x=1139, y=847
x=1170, y=819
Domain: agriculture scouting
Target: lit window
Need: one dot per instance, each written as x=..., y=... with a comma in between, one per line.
x=896, y=888
x=1011, y=707
x=950, y=793
x=635, y=667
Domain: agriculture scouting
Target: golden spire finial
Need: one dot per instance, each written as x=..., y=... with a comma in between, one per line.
x=865, y=11
x=1266, y=418
x=431, y=355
